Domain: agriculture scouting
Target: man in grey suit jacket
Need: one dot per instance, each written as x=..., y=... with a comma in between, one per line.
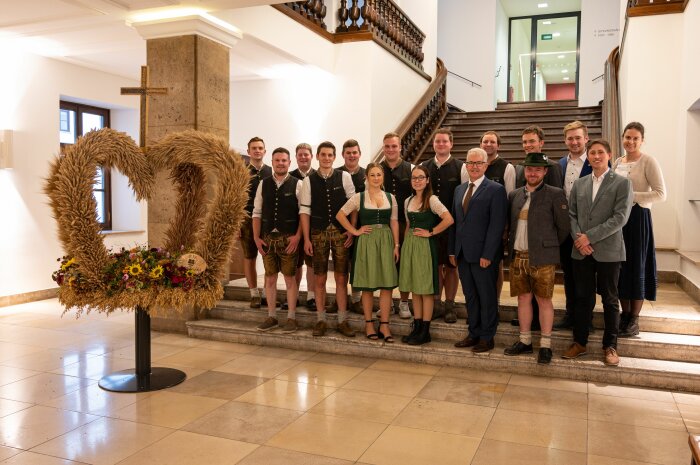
x=599, y=206
x=539, y=223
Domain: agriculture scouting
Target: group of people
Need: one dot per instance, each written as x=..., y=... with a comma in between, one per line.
x=425, y=228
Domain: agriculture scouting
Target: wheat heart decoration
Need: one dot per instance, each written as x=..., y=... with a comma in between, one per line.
x=93, y=278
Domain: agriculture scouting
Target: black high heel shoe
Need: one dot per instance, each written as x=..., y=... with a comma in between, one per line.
x=373, y=336
x=388, y=339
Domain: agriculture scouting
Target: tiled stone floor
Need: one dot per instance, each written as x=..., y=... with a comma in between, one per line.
x=257, y=405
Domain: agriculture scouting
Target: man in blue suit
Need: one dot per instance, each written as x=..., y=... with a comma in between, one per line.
x=476, y=247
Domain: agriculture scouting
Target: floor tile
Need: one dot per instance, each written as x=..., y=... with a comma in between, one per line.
x=104, y=441
x=95, y=367
x=691, y=417
x=34, y=425
x=547, y=401
x=11, y=374
x=405, y=367
x=8, y=406
x=284, y=394
x=419, y=447
x=158, y=351
x=345, y=360
x=637, y=412
x=319, y=373
x=242, y=421
x=462, y=391
x=42, y=387
x=600, y=460
x=200, y=358
x=218, y=384
x=94, y=400
x=536, y=429
x=265, y=455
x=629, y=392
x=31, y=458
x=543, y=382
x=361, y=405
x=254, y=365
x=280, y=352
x=446, y=417
x=472, y=374
x=342, y=438
x=176, y=340
x=184, y=448
x=7, y=452
x=169, y=409
x=9, y=350
x=388, y=382
x=638, y=443
x=686, y=398
x=228, y=347
x=506, y=453
x=48, y=359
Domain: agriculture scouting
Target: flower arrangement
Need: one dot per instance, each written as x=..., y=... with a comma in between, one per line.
x=132, y=270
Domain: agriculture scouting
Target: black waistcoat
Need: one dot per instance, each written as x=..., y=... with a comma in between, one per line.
x=297, y=174
x=445, y=179
x=280, y=208
x=497, y=170
x=255, y=177
x=327, y=197
x=358, y=179
x=398, y=182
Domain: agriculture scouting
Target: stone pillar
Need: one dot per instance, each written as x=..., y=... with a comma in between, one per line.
x=194, y=67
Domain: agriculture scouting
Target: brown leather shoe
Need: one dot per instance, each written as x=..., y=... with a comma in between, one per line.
x=255, y=302
x=611, y=358
x=319, y=329
x=483, y=346
x=467, y=342
x=345, y=329
x=575, y=350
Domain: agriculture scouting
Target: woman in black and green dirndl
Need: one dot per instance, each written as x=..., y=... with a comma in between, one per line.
x=426, y=216
x=376, y=249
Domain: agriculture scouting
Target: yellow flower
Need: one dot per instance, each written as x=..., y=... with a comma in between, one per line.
x=190, y=273
x=71, y=280
x=157, y=272
x=66, y=265
x=135, y=269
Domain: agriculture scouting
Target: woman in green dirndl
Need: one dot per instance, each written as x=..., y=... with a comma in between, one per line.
x=376, y=250
x=426, y=217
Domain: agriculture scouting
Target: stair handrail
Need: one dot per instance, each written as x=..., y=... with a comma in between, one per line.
x=611, y=129
x=419, y=125
x=473, y=84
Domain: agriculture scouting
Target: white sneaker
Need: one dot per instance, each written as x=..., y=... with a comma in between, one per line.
x=404, y=311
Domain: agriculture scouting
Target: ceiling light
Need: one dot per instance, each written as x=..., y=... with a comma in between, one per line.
x=566, y=78
x=564, y=71
x=561, y=56
x=556, y=34
x=542, y=5
x=546, y=23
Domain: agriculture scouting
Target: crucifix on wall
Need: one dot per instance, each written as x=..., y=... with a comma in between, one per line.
x=144, y=91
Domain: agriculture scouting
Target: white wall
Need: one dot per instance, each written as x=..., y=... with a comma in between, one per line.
x=30, y=90
x=466, y=43
x=501, y=82
x=600, y=34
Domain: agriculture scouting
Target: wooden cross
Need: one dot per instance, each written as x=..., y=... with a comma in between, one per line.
x=143, y=91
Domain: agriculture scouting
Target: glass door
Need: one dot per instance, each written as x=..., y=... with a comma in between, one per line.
x=544, y=56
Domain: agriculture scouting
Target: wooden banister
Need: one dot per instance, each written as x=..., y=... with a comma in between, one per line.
x=694, y=443
x=655, y=7
x=425, y=118
x=611, y=103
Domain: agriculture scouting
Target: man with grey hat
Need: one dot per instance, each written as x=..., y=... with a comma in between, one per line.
x=539, y=222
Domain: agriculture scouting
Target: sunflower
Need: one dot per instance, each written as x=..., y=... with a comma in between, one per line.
x=156, y=273
x=135, y=269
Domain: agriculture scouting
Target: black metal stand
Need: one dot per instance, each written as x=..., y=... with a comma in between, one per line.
x=143, y=378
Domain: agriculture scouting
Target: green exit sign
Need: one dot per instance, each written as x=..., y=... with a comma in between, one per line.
x=546, y=37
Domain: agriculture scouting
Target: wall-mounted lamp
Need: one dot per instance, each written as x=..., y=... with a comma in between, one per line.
x=5, y=148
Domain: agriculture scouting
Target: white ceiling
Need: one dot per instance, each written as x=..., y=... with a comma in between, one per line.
x=515, y=8
x=94, y=34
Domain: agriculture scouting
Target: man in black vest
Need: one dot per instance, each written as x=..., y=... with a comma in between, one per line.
x=501, y=171
x=277, y=232
x=351, y=157
x=323, y=193
x=304, y=155
x=446, y=173
x=258, y=172
x=397, y=180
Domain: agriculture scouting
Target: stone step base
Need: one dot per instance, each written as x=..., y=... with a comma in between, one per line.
x=680, y=323
x=632, y=371
x=658, y=346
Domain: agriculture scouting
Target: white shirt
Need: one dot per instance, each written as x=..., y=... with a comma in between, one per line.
x=258, y=201
x=463, y=174
x=574, y=166
x=305, y=194
x=353, y=204
x=435, y=206
x=597, y=182
x=476, y=183
x=521, y=240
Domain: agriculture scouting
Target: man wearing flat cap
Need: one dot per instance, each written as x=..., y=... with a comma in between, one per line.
x=539, y=222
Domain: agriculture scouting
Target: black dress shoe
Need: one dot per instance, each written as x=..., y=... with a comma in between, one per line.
x=467, y=342
x=311, y=305
x=285, y=305
x=483, y=346
x=518, y=348
x=544, y=356
x=515, y=322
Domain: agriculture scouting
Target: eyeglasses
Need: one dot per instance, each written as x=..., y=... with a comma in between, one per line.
x=475, y=163
x=418, y=178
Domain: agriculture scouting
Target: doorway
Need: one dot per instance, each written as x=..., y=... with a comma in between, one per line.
x=543, y=57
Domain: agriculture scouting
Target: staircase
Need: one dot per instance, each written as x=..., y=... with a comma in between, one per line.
x=664, y=356
x=509, y=120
